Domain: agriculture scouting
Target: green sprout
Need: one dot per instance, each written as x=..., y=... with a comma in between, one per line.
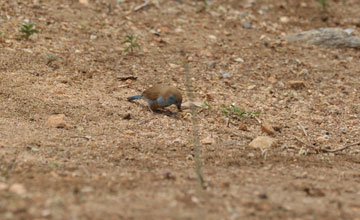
x=203, y=7
x=322, y=3
x=234, y=111
x=50, y=58
x=28, y=30
x=206, y=105
x=131, y=42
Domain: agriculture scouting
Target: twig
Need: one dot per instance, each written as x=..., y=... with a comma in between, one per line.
x=196, y=141
x=307, y=145
x=124, y=78
x=307, y=137
x=84, y=137
x=257, y=119
x=341, y=148
x=303, y=129
x=137, y=8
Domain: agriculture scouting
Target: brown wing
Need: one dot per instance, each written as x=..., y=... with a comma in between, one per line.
x=153, y=92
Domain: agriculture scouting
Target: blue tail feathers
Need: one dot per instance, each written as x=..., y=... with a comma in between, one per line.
x=134, y=97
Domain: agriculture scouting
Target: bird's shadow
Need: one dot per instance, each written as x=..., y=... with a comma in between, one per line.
x=158, y=111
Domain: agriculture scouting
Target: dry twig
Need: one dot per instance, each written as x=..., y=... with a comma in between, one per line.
x=137, y=8
x=194, y=121
x=341, y=148
x=303, y=129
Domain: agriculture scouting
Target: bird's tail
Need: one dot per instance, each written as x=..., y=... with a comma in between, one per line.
x=134, y=97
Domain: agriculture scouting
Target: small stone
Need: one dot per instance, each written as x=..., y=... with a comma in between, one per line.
x=189, y=157
x=322, y=139
x=84, y=2
x=17, y=188
x=150, y=134
x=294, y=84
x=226, y=75
x=129, y=132
x=93, y=37
x=318, y=119
x=205, y=53
x=251, y=87
x=87, y=189
x=272, y=80
x=263, y=196
x=57, y=121
x=3, y=186
x=177, y=141
x=251, y=155
x=247, y=26
x=240, y=60
x=174, y=66
x=284, y=19
x=212, y=64
x=263, y=142
x=207, y=141
x=267, y=128
x=227, y=33
x=127, y=116
x=45, y=213
x=212, y=37
x=168, y=175
x=179, y=30
x=243, y=127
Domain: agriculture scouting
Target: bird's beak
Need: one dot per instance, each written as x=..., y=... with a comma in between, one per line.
x=179, y=107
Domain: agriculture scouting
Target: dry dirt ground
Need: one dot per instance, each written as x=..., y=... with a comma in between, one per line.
x=112, y=159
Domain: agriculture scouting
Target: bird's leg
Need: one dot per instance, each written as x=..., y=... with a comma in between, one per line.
x=150, y=108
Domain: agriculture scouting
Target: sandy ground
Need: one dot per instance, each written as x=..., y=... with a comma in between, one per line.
x=103, y=157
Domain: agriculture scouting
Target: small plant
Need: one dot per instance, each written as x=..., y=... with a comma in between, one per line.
x=50, y=58
x=234, y=111
x=204, y=5
x=323, y=4
x=131, y=42
x=206, y=105
x=28, y=30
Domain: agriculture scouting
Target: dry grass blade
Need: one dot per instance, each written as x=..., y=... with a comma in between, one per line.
x=190, y=93
x=341, y=148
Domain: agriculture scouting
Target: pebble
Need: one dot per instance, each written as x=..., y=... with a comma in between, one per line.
x=267, y=128
x=240, y=60
x=243, y=127
x=207, y=141
x=3, y=186
x=294, y=84
x=247, y=26
x=212, y=37
x=284, y=19
x=263, y=142
x=329, y=37
x=84, y=2
x=226, y=75
x=17, y=188
x=129, y=132
x=272, y=80
x=57, y=121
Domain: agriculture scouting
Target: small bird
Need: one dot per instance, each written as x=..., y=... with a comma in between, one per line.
x=160, y=96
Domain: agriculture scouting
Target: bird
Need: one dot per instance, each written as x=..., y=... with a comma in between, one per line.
x=160, y=96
